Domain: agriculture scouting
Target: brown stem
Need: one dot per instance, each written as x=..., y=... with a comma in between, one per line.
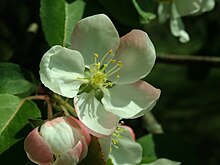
x=60, y=101
x=188, y=60
x=40, y=97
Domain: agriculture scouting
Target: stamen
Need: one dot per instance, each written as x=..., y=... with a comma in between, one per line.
x=98, y=66
x=104, y=67
x=108, y=84
x=112, y=61
x=114, y=141
x=96, y=56
x=104, y=57
x=120, y=64
x=114, y=69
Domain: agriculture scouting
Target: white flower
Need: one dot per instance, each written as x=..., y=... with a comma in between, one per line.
x=175, y=9
x=102, y=71
x=62, y=141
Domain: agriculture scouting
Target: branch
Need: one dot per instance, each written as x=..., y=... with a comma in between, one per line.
x=188, y=60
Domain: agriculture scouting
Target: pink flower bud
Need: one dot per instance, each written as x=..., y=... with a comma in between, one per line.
x=61, y=141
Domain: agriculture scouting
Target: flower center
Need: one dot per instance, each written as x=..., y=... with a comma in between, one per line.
x=98, y=79
x=100, y=71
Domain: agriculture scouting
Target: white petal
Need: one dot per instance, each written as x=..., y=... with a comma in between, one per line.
x=105, y=144
x=94, y=34
x=137, y=54
x=191, y=7
x=60, y=135
x=163, y=161
x=93, y=115
x=178, y=30
x=128, y=152
x=127, y=101
x=163, y=12
x=60, y=69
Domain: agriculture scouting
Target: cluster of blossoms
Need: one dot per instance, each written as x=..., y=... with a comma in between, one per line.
x=102, y=73
x=175, y=9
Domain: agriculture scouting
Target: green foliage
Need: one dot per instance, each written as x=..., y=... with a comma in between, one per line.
x=14, y=80
x=14, y=119
x=95, y=155
x=58, y=18
x=147, y=143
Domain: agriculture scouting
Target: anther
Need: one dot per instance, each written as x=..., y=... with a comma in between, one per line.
x=105, y=56
x=112, y=61
x=120, y=64
x=110, y=84
x=96, y=55
x=98, y=65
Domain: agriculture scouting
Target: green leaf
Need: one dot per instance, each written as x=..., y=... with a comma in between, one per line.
x=147, y=143
x=58, y=18
x=13, y=80
x=14, y=119
x=95, y=155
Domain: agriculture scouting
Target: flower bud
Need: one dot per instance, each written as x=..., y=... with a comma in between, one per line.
x=61, y=141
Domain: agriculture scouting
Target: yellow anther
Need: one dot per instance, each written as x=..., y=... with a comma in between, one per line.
x=120, y=64
x=112, y=61
x=96, y=55
x=110, y=51
x=98, y=65
x=110, y=84
x=114, y=141
x=105, y=65
x=117, y=76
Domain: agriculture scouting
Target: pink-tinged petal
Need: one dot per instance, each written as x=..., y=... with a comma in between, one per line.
x=74, y=155
x=84, y=130
x=60, y=135
x=93, y=115
x=130, y=130
x=130, y=100
x=153, y=93
x=137, y=54
x=60, y=70
x=69, y=158
x=37, y=149
x=84, y=145
x=94, y=34
x=126, y=147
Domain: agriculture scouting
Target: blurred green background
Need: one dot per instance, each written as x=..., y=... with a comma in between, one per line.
x=189, y=107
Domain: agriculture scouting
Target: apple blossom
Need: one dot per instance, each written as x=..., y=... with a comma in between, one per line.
x=121, y=147
x=101, y=72
x=61, y=141
x=175, y=9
